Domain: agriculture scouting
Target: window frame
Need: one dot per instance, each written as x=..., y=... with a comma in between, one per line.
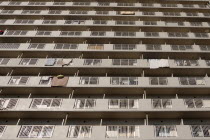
x=119, y=81
x=31, y=129
x=164, y=128
x=48, y=102
x=89, y=80
x=81, y=131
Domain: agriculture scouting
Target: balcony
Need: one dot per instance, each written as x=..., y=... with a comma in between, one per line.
x=107, y=4
x=75, y=129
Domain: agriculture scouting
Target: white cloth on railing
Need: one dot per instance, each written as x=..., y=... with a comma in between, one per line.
x=158, y=63
x=206, y=103
x=200, y=82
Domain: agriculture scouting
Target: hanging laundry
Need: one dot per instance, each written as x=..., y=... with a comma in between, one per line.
x=1, y=32
x=127, y=13
x=158, y=63
x=206, y=103
x=200, y=82
x=50, y=62
x=67, y=62
x=153, y=63
x=163, y=63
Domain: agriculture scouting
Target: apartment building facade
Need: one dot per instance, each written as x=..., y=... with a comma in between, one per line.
x=105, y=70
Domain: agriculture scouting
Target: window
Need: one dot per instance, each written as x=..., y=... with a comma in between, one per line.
x=188, y=5
x=71, y=33
x=36, y=3
x=16, y=33
x=79, y=131
x=28, y=61
x=59, y=3
x=181, y=47
x=81, y=3
x=172, y=23
x=207, y=62
x=158, y=81
x=196, y=23
x=6, y=103
x=149, y=13
x=102, y=12
x=124, y=62
x=43, y=33
x=78, y=12
x=4, y=61
x=75, y=22
x=165, y=131
x=54, y=12
x=49, y=22
x=95, y=33
x=151, y=34
x=66, y=46
x=92, y=62
x=201, y=35
x=99, y=22
x=205, y=47
x=168, y=5
x=122, y=131
x=147, y=4
x=206, y=14
x=124, y=81
x=24, y=21
x=153, y=47
x=2, y=129
x=186, y=62
x=177, y=34
x=2, y=21
x=31, y=12
x=89, y=81
x=85, y=103
x=150, y=22
x=125, y=34
x=197, y=103
x=7, y=11
x=124, y=47
x=124, y=22
x=200, y=130
x=19, y=80
x=9, y=45
x=125, y=4
x=36, y=46
x=161, y=103
x=45, y=80
x=191, y=14
x=15, y=3
x=95, y=47
x=192, y=81
x=36, y=131
x=172, y=14
x=103, y=3
x=123, y=104
x=39, y=103
x=202, y=6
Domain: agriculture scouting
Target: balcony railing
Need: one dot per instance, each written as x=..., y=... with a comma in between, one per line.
x=165, y=131
x=122, y=131
x=123, y=104
x=36, y=131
